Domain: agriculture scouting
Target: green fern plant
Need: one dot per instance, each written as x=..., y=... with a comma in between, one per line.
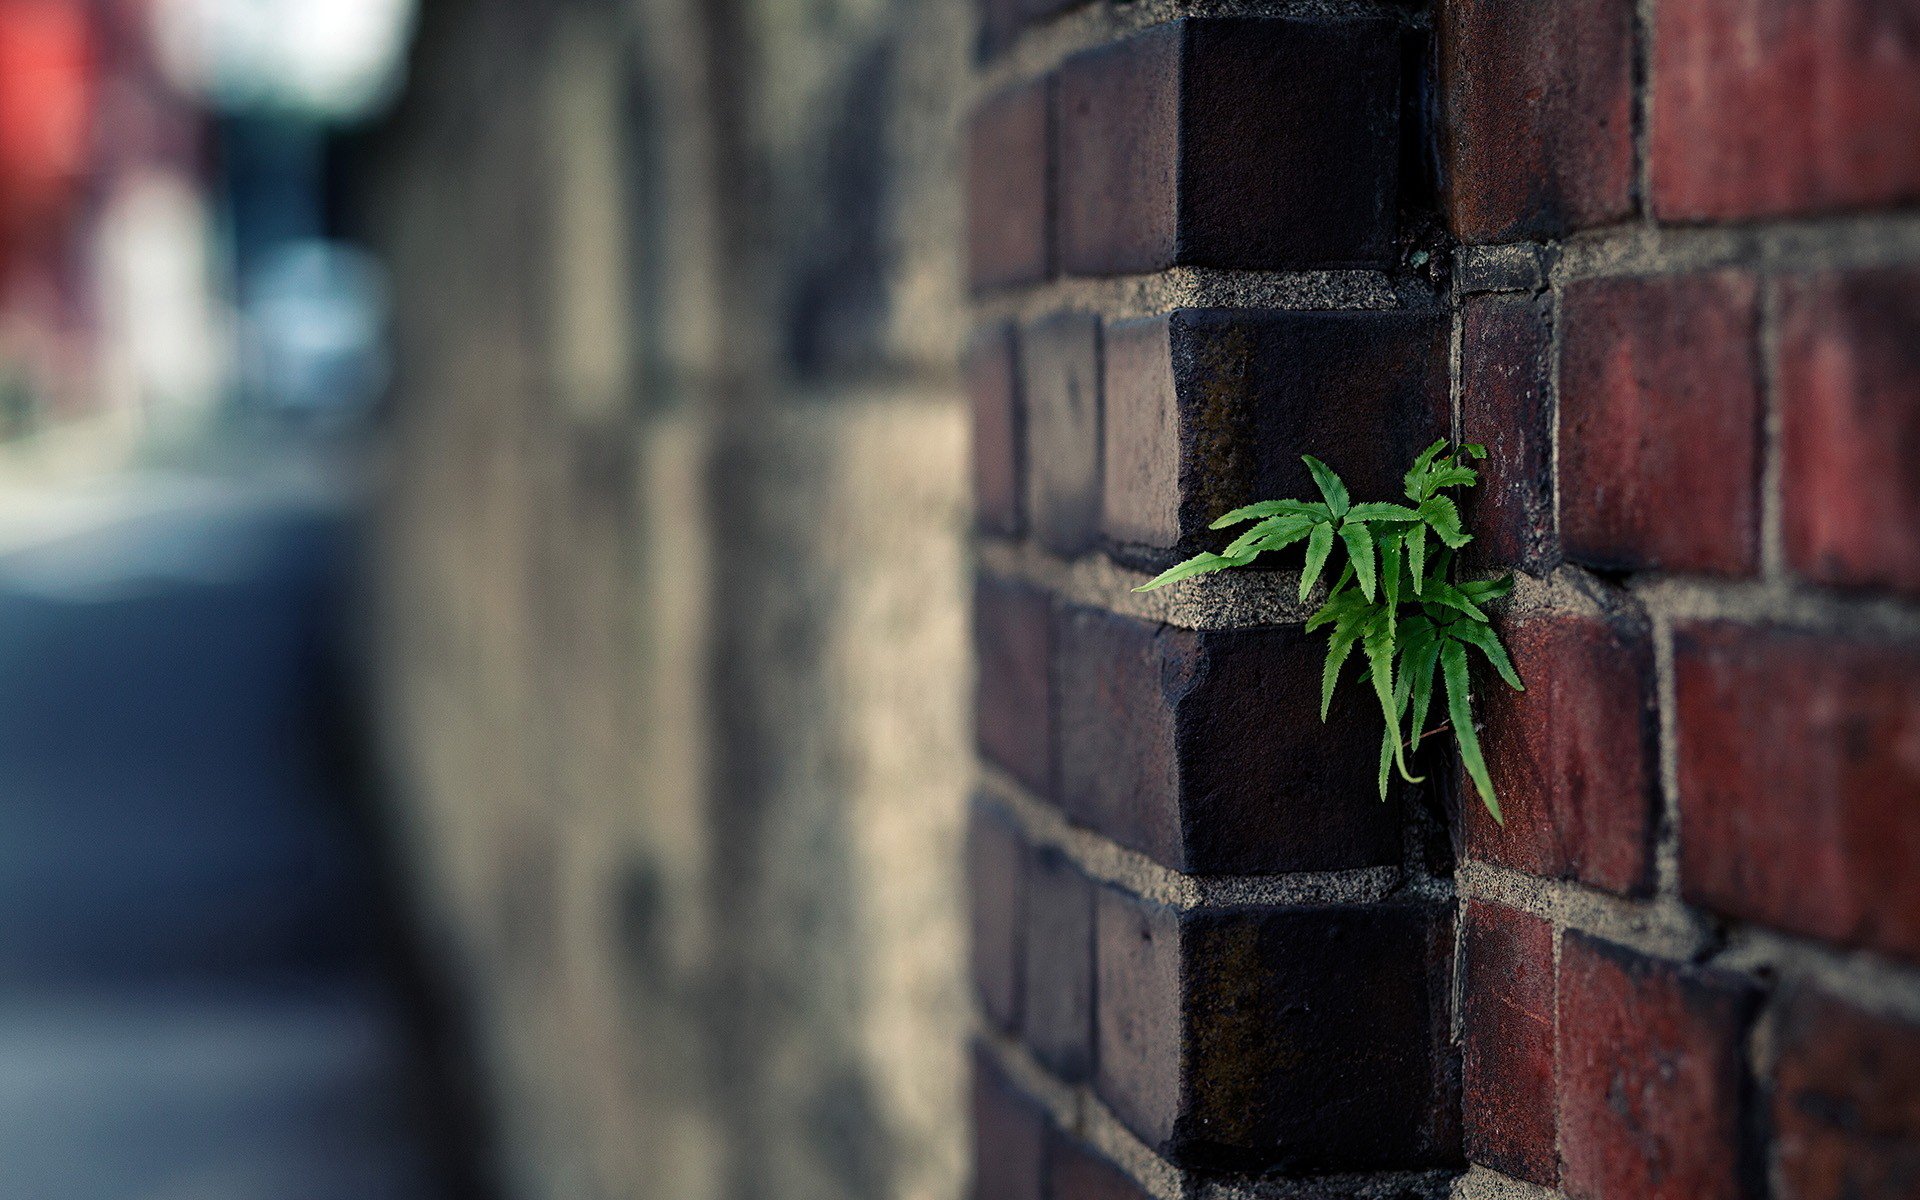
x=1395, y=598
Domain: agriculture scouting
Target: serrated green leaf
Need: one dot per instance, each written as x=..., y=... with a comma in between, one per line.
x=1418, y=661
x=1319, y=545
x=1475, y=450
x=1488, y=643
x=1450, y=476
x=1417, y=556
x=1330, y=485
x=1272, y=508
x=1337, y=607
x=1453, y=665
x=1482, y=590
x=1417, y=473
x=1359, y=542
x=1339, y=646
x=1446, y=595
x=1443, y=517
x=1380, y=652
x=1380, y=511
x=1389, y=740
x=1282, y=531
x=1200, y=564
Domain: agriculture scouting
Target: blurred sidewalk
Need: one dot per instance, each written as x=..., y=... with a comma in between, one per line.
x=198, y=995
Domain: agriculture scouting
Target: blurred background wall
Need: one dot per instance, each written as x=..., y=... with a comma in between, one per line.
x=671, y=579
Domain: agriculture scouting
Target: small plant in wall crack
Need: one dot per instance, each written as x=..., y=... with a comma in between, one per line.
x=1395, y=598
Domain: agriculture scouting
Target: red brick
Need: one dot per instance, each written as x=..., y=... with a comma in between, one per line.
x=1506, y=405
x=1013, y=707
x=1208, y=409
x=1009, y=1136
x=1205, y=749
x=1575, y=757
x=1506, y=1017
x=993, y=386
x=1299, y=1039
x=1060, y=382
x=1009, y=208
x=997, y=888
x=1058, y=1014
x=1799, y=762
x=1537, y=137
x=1076, y=1172
x=1849, y=380
x=1775, y=107
x=1659, y=423
x=1264, y=143
x=1651, y=1077
x=1846, y=1102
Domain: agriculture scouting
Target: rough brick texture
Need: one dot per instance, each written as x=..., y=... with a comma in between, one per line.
x=1009, y=1137
x=997, y=886
x=1230, y=142
x=1813, y=112
x=1254, y=1037
x=1077, y=1172
x=999, y=430
x=1060, y=382
x=1849, y=372
x=1846, y=1101
x=1575, y=757
x=1506, y=404
x=1798, y=773
x=1206, y=750
x=1009, y=210
x=1207, y=409
x=1651, y=1068
x=1538, y=127
x=1012, y=636
x=1507, y=1039
x=1660, y=423
x=1058, y=980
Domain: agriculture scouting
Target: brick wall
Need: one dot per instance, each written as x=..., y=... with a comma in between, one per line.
x=1660, y=256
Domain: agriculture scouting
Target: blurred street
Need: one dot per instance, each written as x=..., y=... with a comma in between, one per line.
x=198, y=994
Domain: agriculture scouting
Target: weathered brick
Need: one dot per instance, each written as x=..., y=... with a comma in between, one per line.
x=993, y=387
x=1846, y=1101
x=1013, y=710
x=1075, y=1171
x=1659, y=423
x=1009, y=1136
x=1244, y=142
x=1537, y=133
x=1506, y=405
x=1849, y=381
x=1060, y=382
x=997, y=890
x=1774, y=107
x=1208, y=409
x=1575, y=757
x=1009, y=205
x=1303, y=1039
x=1798, y=770
x=1507, y=1040
x=1058, y=1014
x=1651, y=1075
x=1205, y=749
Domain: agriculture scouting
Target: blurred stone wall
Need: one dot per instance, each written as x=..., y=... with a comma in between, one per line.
x=670, y=579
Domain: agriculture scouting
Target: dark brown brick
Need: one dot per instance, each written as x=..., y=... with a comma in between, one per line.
x=993, y=386
x=1208, y=409
x=1651, y=1075
x=1303, y=1039
x=1506, y=405
x=1009, y=1136
x=1575, y=757
x=1774, y=107
x=1507, y=1038
x=1206, y=750
x=1059, y=974
x=1009, y=207
x=1798, y=771
x=1076, y=1172
x=1060, y=374
x=1846, y=1101
x=1537, y=136
x=1660, y=423
x=1849, y=380
x=997, y=888
x=1013, y=708
x=1260, y=143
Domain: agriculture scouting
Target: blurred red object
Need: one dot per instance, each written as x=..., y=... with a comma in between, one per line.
x=48, y=67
